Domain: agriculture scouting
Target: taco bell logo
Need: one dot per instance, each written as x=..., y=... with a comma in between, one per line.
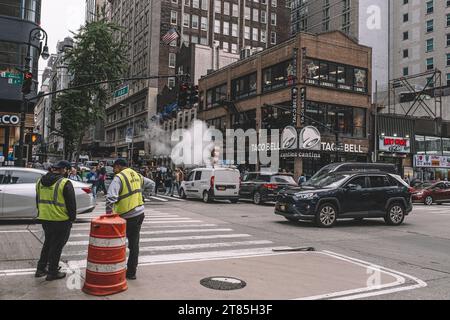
x=310, y=139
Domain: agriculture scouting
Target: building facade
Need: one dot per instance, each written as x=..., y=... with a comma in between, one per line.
x=365, y=20
x=230, y=25
x=17, y=19
x=319, y=80
x=420, y=38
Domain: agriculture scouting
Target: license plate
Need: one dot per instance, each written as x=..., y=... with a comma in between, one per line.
x=283, y=207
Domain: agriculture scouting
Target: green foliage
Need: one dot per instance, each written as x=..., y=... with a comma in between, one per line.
x=97, y=56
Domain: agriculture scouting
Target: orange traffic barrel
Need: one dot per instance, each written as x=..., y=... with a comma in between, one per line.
x=106, y=261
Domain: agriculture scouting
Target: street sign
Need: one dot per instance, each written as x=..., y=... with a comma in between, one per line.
x=121, y=92
x=129, y=135
x=13, y=78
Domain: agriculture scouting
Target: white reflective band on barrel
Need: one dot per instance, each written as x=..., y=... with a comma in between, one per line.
x=107, y=243
x=95, y=267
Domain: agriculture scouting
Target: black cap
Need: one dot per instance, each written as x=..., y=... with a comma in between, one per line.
x=120, y=162
x=63, y=164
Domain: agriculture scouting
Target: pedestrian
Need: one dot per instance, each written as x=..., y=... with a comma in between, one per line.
x=301, y=179
x=177, y=181
x=125, y=197
x=74, y=175
x=101, y=177
x=169, y=182
x=92, y=179
x=407, y=180
x=157, y=180
x=57, y=209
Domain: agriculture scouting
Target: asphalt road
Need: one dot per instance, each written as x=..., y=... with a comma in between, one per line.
x=194, y=230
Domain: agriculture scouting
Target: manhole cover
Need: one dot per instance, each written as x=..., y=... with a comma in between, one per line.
x=223, y=283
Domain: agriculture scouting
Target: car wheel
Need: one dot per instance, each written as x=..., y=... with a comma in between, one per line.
x=257, y=199
x=206, y=198
x=326, y=216
x=395, y=215
x=428, y=200
x=182, y=194
x=291, y=219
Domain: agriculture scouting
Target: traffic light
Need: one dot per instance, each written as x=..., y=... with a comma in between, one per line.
x=32, y=138
x=27, y=82
x=194, y=95
x=182, y=95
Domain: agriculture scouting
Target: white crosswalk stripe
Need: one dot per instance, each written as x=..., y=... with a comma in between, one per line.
x=172, y=236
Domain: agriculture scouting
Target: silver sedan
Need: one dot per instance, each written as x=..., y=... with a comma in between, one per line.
x=18, y=193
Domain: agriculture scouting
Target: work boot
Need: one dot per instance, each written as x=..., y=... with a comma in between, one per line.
x=40, y=273
x=55, y=276
x=131, y=276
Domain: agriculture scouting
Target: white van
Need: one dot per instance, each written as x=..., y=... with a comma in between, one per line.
x=212, y=183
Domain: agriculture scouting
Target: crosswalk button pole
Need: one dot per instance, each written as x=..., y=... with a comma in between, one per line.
x=106, y=261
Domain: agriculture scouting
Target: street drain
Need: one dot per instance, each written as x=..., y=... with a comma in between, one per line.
x=223, y=283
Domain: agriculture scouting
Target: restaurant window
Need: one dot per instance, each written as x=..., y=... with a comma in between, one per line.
x=332, y=75
x=278, y=76
x=446, y=146
x=244, y=86
x=348, y=121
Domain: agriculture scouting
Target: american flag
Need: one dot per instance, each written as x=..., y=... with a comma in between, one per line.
x=170, y=36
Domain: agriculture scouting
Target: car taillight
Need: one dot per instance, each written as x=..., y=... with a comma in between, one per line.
x=212, y=182
x=270, y=186
x=87, y=190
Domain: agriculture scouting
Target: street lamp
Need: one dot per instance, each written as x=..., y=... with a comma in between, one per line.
x=36, y=34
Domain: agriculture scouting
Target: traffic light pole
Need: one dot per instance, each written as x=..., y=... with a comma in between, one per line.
x=20, y=162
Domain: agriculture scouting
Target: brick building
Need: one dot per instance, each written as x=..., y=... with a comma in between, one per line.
x=334, y=72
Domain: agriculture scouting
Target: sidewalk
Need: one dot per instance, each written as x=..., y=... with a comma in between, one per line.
x=279, y=276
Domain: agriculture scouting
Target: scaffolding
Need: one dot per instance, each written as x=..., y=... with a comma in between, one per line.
x=407, y=95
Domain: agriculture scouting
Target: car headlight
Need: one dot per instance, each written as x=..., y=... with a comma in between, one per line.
x=305, y=195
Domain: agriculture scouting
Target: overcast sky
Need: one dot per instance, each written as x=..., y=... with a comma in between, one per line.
x=58, y=18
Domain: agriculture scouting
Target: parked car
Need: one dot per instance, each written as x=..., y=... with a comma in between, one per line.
x=339, y=195
x=436, y=193
x=262, y=187
x=212, y=183
x=18, y=193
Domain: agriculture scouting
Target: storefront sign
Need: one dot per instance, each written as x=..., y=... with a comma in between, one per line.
x=302, y=106
x=294, y=94
x=299, y=154
x=427, y=161
x=395, y=144
x=8, y=119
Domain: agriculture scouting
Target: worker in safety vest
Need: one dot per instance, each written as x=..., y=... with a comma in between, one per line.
x=57, y=209
x=125, y=197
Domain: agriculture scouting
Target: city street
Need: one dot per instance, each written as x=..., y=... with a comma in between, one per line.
x=184, y=241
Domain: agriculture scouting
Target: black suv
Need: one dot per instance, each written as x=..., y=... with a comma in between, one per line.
x=347, y=195
x=262, y=187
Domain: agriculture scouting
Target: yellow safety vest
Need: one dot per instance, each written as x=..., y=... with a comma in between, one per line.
x=130, y=195
x=51, y=203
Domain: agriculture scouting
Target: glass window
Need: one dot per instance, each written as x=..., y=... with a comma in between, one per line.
x=446, y=146
x=18, y=177
x=226, y=28
x=360, y=80
x=194, y=21
x=279, y=75
x=173, y=17
x=235, y=10
x=226, y=8
x=244, y=86
x=29, y=10
x=195, y=3
x=198, y=175
x=204, y=23
x=186, y=20
x=234, y=30
x=378, y=181
x=359, y=182
x=359, y=122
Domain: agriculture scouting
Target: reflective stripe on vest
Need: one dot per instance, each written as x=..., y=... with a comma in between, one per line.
x=130, y=195
x=51, y=203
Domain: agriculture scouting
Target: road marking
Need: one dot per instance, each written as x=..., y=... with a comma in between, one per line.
x=371, y=290
x=171, y=198
x=160, y=199
x=218, y=236
x=14, y=231
x=183, y=247
x=163, y=232
x=88, y=227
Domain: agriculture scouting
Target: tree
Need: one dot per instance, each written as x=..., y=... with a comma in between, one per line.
x=97, y=55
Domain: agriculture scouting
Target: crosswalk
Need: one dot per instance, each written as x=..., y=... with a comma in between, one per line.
x=170, y=235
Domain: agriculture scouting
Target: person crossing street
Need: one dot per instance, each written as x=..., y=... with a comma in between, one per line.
x=125, y=197
x=56, y=204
